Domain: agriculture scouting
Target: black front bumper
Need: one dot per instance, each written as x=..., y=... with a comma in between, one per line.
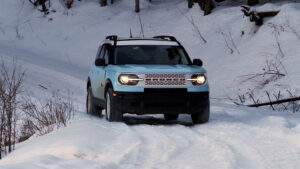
x=157, y=101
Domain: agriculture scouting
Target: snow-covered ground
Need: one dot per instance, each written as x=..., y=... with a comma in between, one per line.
x=56, y=51
x=234, y=138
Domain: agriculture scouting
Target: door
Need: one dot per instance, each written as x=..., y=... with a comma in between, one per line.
x=99, y=74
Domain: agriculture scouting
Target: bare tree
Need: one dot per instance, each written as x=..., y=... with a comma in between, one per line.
x=43, y=116
x=40, y=117
x=10, y=87
x=292, y=29
x=142, y=26
x=192, y=22
x=229, y=42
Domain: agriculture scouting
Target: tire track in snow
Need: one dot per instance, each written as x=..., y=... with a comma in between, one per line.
x=178, y=147
x=248, y=157
x=256, y=146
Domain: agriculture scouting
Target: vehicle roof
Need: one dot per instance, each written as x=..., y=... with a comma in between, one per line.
x=142, y=41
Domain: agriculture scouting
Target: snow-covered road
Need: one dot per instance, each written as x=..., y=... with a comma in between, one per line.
x=234, y=138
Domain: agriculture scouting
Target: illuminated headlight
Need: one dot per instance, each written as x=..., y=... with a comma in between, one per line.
x=198, y=79
x=129, y=79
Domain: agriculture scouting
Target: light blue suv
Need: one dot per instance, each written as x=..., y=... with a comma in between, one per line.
x=147, y=76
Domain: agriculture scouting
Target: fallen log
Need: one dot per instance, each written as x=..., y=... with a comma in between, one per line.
x=256, y=16
x=275, y=102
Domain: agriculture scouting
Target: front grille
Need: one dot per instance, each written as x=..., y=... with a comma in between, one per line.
x=156, y=80
x=165, y=79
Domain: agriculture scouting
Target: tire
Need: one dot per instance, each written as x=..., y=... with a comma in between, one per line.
x=201, y=117
x=91, y=107
x=112, y=114
x=171, y=116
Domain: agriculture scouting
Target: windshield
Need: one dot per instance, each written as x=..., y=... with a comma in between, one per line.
x=146, y=54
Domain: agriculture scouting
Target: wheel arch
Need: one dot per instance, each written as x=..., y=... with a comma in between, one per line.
x=108, y=84
x=88, y=84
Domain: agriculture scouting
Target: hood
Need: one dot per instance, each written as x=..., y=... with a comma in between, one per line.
x=156, y=68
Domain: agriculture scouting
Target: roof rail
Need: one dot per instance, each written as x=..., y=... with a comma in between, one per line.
x=166, y=37
x=171, y=38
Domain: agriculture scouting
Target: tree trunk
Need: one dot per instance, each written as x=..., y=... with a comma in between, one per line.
x=137, y=5
x=252, y=2
x=69, y=3
x=103, y=2
x=206, y=6
x=190, y=3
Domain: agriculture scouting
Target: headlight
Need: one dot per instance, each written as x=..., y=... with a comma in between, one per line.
x=198, y=79
x=129, y=79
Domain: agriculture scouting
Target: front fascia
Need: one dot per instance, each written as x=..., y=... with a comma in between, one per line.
x=113, y=77
x=121, y=88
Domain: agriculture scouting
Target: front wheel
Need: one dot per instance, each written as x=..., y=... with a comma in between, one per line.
x=112, y=114
x=201, y=117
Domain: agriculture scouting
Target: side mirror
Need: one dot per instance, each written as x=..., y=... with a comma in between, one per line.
x=100, y=62
x=197, y=62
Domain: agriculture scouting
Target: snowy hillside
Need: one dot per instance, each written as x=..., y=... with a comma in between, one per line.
x=73, y=36
x=57, y=50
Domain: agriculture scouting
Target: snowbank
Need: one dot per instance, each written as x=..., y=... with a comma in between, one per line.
x=234, y=138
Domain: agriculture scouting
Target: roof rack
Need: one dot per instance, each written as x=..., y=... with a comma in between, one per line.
x=113, y=38
x=166, y=37
x=171, y=38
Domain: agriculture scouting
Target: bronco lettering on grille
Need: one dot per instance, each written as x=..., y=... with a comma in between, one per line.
x=165, y=79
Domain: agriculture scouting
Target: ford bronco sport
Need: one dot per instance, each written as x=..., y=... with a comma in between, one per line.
x=147, y=76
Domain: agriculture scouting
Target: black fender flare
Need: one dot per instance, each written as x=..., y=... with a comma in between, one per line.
x=88, y=84
x=108, y=84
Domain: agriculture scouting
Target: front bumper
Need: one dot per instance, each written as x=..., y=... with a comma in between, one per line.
x=158, y=101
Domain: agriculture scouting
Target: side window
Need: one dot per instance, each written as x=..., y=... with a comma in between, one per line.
x=100, y=52
x=106, y=53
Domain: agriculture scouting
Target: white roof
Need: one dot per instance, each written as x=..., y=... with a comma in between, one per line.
x=146, y=42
